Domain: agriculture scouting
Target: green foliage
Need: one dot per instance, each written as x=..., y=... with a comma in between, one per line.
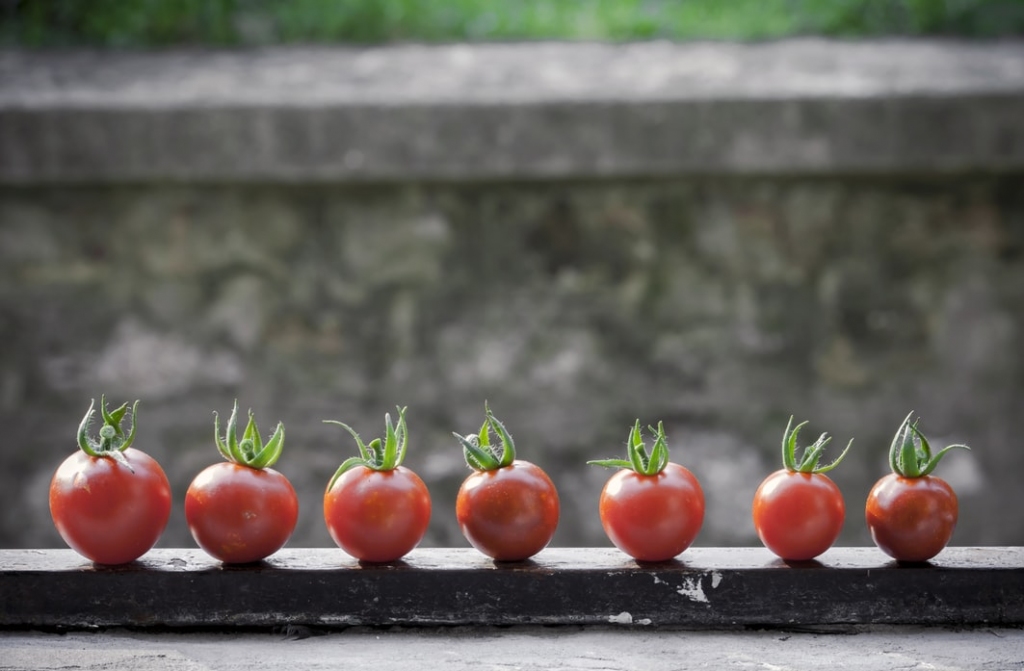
x=231, y=22
x=119, y=22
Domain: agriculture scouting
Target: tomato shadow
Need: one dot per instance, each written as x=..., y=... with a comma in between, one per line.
x=247, y=566
x=796, y=563
x=896, y=563
x=136, y=565
x=382, y=565
x=515, y=565
x=667, y=563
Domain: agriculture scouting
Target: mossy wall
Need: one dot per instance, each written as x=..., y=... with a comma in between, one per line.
x=719, y=305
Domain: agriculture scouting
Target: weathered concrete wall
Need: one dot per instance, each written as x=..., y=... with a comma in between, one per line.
x=713, y=235
x=720, y=306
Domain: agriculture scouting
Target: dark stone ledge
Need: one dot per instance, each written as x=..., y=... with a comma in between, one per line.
x=511, y=111
x=706, y=588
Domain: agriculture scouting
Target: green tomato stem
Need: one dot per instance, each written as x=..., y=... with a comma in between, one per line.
x=910, y=455
x=112, y=440
x=250, y=450
x=478, y=450
x=811, y=456
x=377, y=456
x=639, y=460
x=477, y=458
x=508, y=446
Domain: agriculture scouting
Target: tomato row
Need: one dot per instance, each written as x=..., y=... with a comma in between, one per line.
x=111, y=502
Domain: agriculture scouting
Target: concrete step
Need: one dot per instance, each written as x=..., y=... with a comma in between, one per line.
x=511, y=111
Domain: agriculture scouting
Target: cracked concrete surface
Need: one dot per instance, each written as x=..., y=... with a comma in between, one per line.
x=521, y=648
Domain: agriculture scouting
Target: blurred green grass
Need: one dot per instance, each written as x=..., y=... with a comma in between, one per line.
x=134, y=23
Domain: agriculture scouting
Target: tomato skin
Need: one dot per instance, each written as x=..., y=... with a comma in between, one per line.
x=911, y=519
x=377, y=516
x=652, y=518
x=508, y=514
x=797, y=515
x=104, y=511
x=239, y=514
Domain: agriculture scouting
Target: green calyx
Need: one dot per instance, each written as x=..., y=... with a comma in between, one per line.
x=910, y=455
x=112, y=439
x=811, y=455
x=250, y=450
x=480, y=453
x=640, y=460
x=386, y=455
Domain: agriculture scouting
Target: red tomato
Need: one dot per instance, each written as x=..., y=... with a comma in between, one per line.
x=798, y=515
x=911, y=514
x=798, y=511
x=106, y=512
x=509, y=513
x=239, y=514
x=376, y=509
x=242, y=511
x=377, y=516
x=911, y=519
x=652, y=517
x=507, y=509
x=652, y=509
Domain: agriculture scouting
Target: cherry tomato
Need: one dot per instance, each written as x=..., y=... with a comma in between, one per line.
x=376, y=509
x=510, y=513
x=507, y=509
x=109, y=501
x=652, y=518
x=652, y=509
x=910, y=513
x=798, y=511
x=798, y=515
x=239, y=514
x=106, y=512
x=242, y=511
x=377, y=516
x=911, y=519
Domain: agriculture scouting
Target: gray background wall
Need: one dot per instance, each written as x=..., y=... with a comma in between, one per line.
x=720, y=306
x=575, y=296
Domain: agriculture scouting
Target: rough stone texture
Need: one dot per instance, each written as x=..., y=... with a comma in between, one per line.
x=511, y=111
x=706, y=588
x=563, y=648
x=720, y=306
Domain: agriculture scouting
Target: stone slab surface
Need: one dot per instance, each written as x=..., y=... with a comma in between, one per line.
x=521, y=648
x=510, y=111
x=703, y=588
